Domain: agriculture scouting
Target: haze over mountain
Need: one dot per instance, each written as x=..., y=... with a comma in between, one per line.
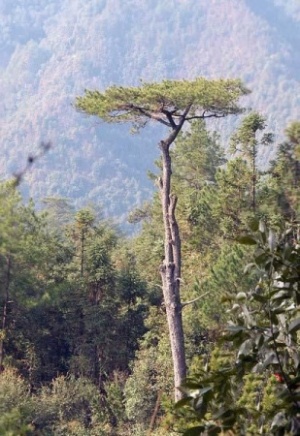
x=52, y=50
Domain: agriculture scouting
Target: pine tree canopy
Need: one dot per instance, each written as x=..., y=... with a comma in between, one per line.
x=166, y=102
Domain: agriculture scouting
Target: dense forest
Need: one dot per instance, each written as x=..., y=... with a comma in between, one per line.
x=51, y=52
x=188, y=322
x=84, y=346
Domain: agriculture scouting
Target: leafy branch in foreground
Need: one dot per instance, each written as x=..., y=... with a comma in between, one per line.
x=251, y=384
x=44, y=147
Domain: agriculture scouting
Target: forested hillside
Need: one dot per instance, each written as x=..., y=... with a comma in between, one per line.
x=84, y=342
x=51, y=51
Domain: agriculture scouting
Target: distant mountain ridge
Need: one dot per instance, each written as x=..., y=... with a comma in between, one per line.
x=51, y=53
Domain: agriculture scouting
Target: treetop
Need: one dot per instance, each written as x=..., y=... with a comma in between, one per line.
x=167, y=102
x=293, y=132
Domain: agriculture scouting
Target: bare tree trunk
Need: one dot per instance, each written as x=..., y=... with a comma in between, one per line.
x=254, y=180
x=4, y=313
x=171, y=271
x=155, y=412
x=82, y=241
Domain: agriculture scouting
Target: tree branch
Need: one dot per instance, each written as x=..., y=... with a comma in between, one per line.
x=169, y=115
x=45, y=146
x=203, y=116
x=183, y=117
x=188, y=303
x=155, y=412
x=150, y=115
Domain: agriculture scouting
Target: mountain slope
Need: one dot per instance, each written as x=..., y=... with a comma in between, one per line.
x=52, y=52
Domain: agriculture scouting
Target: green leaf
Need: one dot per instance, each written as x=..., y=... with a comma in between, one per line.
x=249, y=267
x=214, y=430
x=258, y=368
x=183, y=402
x=246, y=349
x=254, y=225
x=294, y=325
x=262, y=227
x=241, y=296
x=223, y=411
x=280, y=295
x=235, y=328
x=272, y=240
x=274, y=318
x=200, y=406
x=270, y=359
x=279, y=421
x=279, y=310
x=194, y=431
x=205, y=390
x=296, y=358
x=261, y=260
x=259, y=340
x=246, y=240
x=260, y=298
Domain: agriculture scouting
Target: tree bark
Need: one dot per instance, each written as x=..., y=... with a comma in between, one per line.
x=171, y=270
x=254, y=179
